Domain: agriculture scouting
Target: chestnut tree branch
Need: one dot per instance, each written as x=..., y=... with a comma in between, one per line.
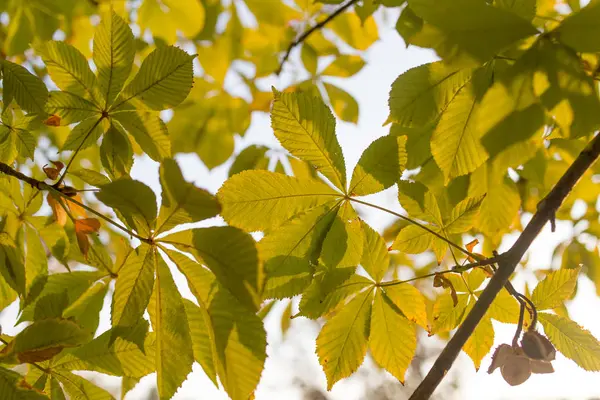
x=507, y=263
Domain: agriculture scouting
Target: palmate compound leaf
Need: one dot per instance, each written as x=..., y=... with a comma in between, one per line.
x=305, y=126
x=70, y=107
x=380, y=166
x=230, y=254
x=113, y=55
x=572, y=341
x=174, y=351
x=28, y=90
x=375, y=257
x=262, y=200
x=343, y=244
x=555, y=288
x=238, y=336
x=458, y=26
x=79, y=388
x=393, y=338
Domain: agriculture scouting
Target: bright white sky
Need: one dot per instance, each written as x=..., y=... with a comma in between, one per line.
x=294, y=358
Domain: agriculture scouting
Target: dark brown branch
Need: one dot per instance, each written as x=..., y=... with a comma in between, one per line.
x=310, y=31
x=506, y=266
x=8, y=170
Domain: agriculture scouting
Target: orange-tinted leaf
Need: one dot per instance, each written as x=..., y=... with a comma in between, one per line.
x=38, y=355
x=76, y=209
x=59, y=213
x=470, y=246
x=51, y=173
x=82, y=228
x=53, y=120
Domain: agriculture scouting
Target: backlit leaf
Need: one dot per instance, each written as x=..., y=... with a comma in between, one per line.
x=555, y=288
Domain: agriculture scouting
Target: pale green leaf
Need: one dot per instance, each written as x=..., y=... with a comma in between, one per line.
x=413, y=240
x=202, y=338
x=463, y=215
x=91, y=177
x=462, y=24
x=134, y=287
x=69, y=69
x=555, y=288
x=148, y=130
x=36, y=261
x=182, y=202
x=342, y=342
x=262, y=200
x=252, y=157
x=70, y=107
x=480, y=342
x=86, y=309
x=380, y=166
x=116, y=153
x=79, y=388
x=343, y=245
x=163, y=80
x=580, y=30
x=174, y=352
x=113, y=54
x=393, y=339
x=310, y=58
x=410, y=301
x=306, y=128
x=28, y=90
x=419, y=202
x=133, y=200
x=343, y=103
x=375, y=257
x=85, y=134
x=572, y=341
x=421, y=94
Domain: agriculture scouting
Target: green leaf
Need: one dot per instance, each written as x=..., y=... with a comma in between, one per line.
x=463, y=215
x=28, y=90
x=393, y=339
x=174, y=352
x=410, y=301
x=90, y=177
x=375, y=257
x=148, y=130
x=421, y=94
x=343, y=245
x=70, y=107
x=116, y=153
x=163, y=80
x=79, y=388
x=580, y=30
x=419, y=202
x=572, y=341
x=182, y=202
x=344, y=66
x=69, y=69
x=252, y=157
x=85, y=134
x=306, y=128
x=11, y=388
x=291, y=251
x=310, y=58
x=555, y=288
x=344, y=105
x=413, y=240
x=134, y=201
x=523, y=8
x=380, y=166
x=480, y=342
x=202, y=339
x=43, y=339
x=230, y=254
x=86, y=309
x=13, y=269
x=455, y=142
x=113, y=54
x=461, y=24
x=262, y=200
x=342, y=342
x=134, y=287
x=36, y=261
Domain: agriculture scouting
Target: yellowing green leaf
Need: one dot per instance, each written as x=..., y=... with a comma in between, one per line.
x=463, y=215
x=351, y=30
x=380, y=166
x=342, y=342
x=262, y=200
x=344, y=105
x=79, y=388
x=163, y=80
x=306, y=128
x=480, y=342
x=116, y=153
x=113, y=55
x=344, y=66
x=134, y=287
x=580, y=30
x=555, y=288
x=70, y=107
x=572, y=341
x=343, y=245
x=182, y=202
x=523, y=8
x=504, y=308
x=11, y=388
x=133, y=201
x=202, y=338
x=410, y=301
x=413, y=240
x=85, y=134
x=419, y=95
x=252, y=157
x=165, y=17
x=174, y=352
x=375, y=257
x=28, y=90
x=148, y=130
x=446, y=315
x=461, y=24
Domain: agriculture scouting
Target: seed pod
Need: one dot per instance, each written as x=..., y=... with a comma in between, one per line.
x=500, y=356
x=516, y=370
x=541, y=367
x=537, y=347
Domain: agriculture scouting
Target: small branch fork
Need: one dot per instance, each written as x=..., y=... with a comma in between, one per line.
x=310, y=31
x=507, y=263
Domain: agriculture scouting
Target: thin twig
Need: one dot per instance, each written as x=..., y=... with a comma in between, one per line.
x=310, y=31
x=506, y=266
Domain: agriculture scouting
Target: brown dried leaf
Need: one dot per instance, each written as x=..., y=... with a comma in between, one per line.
x=60, y=215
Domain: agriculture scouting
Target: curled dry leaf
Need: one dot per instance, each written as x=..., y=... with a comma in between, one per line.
x=60, y=215
x=440, y=280
x=83, y=227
